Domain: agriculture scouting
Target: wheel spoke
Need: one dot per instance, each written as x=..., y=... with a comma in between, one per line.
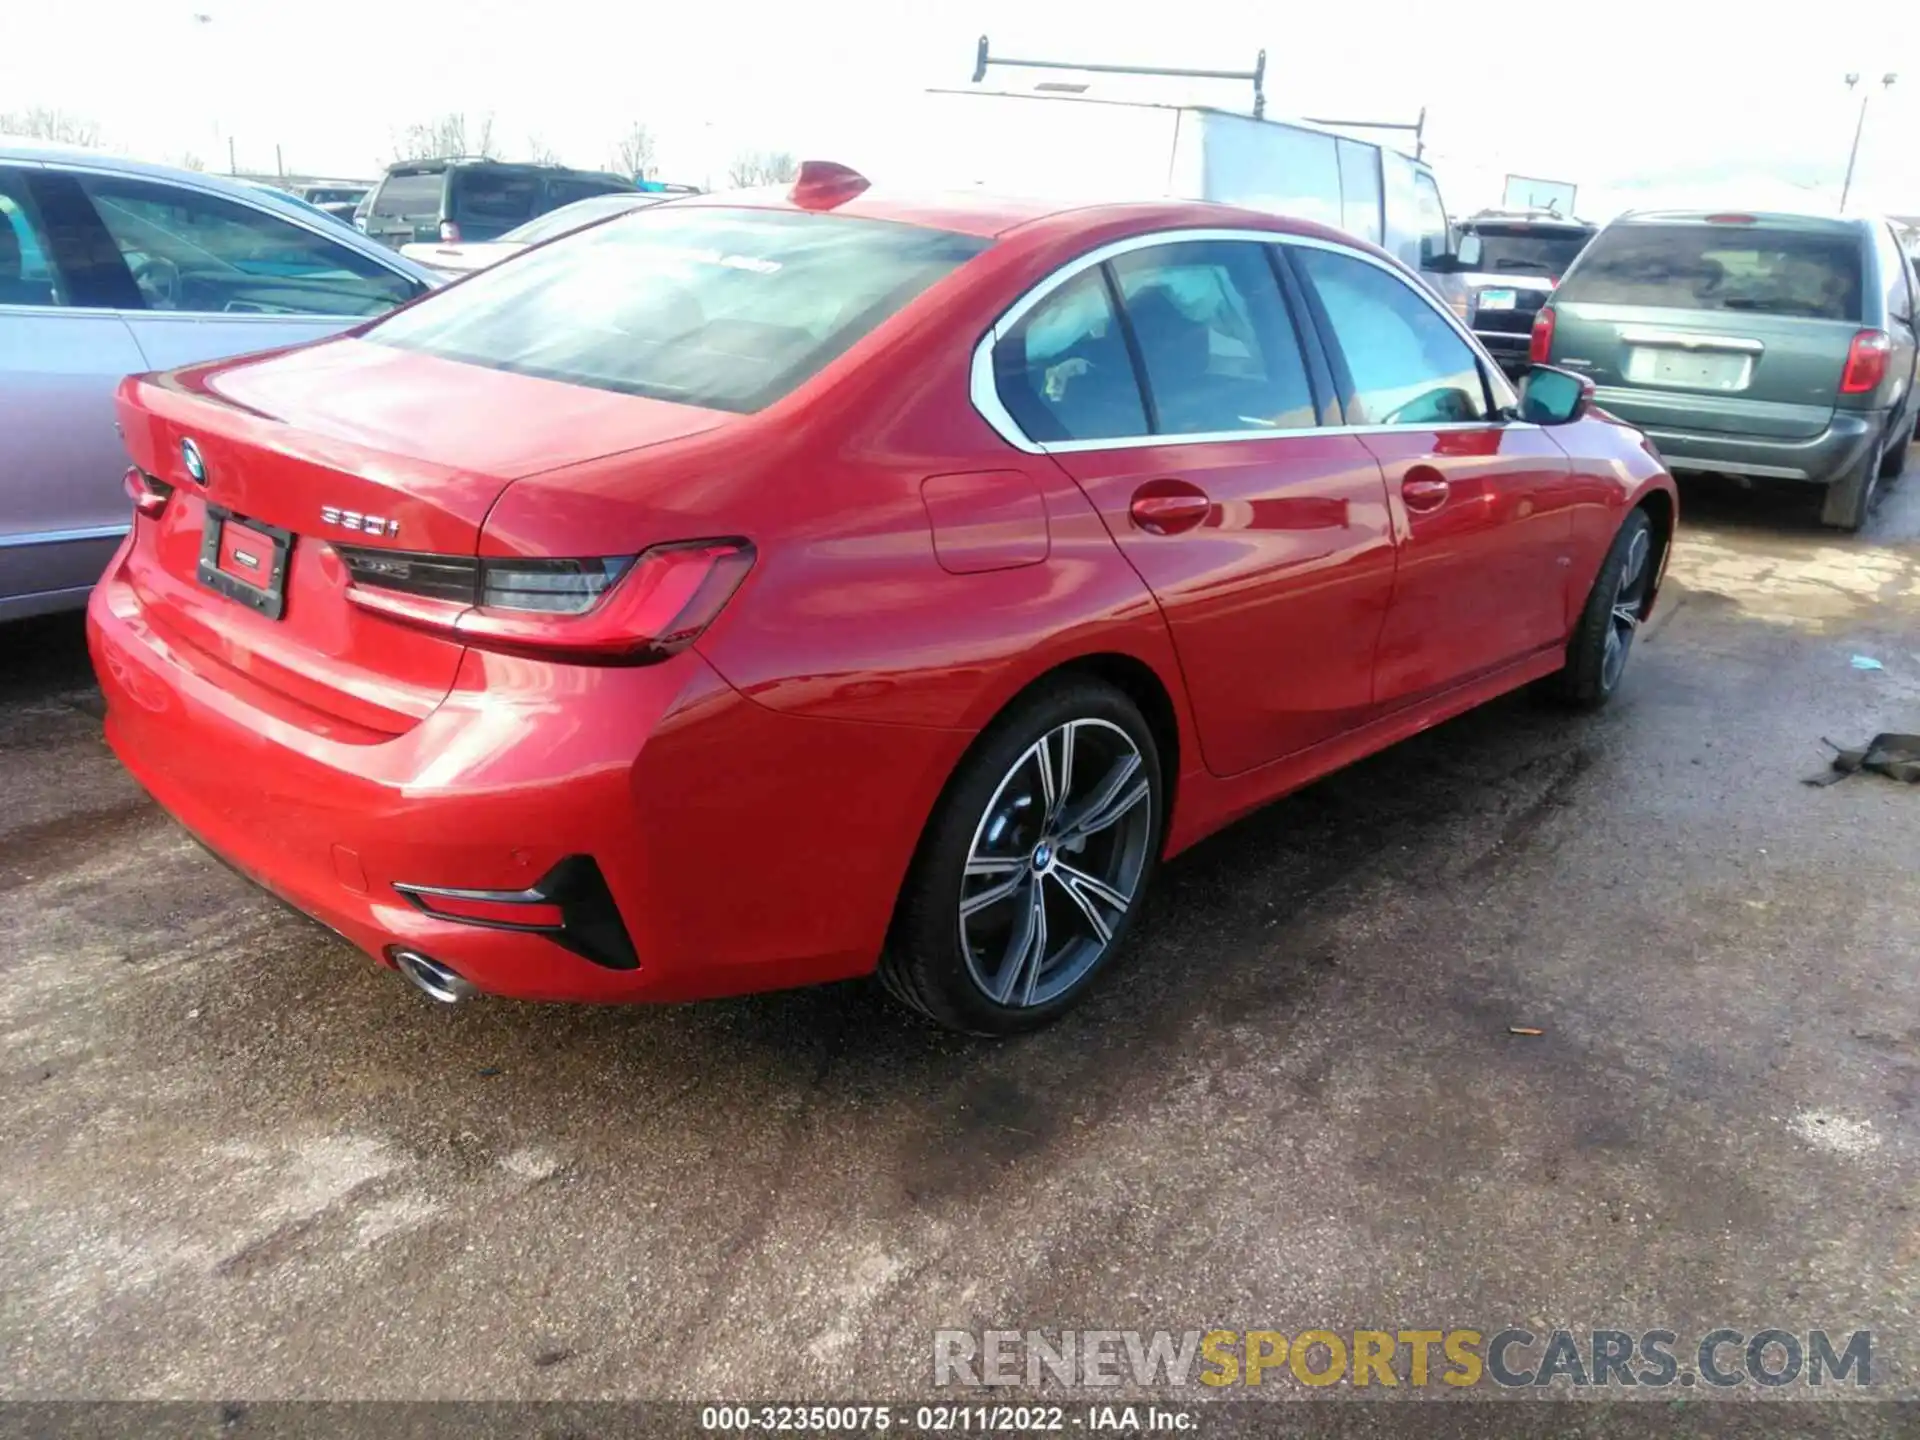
x=1628, y=614
x=1089, y=893
x=993, y=894
x=1123, y=789
x=1042, y=754
x=1026, y=953
x=1066, y=772
x=995, y=864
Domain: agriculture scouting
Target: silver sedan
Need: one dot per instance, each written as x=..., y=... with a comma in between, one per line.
x=109, y=267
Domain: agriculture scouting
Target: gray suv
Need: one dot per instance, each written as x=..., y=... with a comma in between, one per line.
x=1771, y=346
x=458, y=201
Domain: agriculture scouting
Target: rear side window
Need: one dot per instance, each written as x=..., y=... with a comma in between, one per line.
x=1406, y=364
x=494, y=197
x=1745, y=268
x=565, y=192
x=729, y=309
x=1219, y=350
x=403, y=196
x=1064, y=372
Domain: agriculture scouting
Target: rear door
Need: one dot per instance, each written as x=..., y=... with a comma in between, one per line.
x=62, y=506
x=1265, y=538
x=1729, y=325
x=1482, y=505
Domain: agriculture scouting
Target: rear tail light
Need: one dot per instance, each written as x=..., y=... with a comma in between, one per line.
x=1540, y=341
x=625, y=609
x=1866, y=362
x=149, y=494
x=449, y=233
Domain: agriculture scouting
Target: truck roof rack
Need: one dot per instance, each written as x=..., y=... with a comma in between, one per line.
x=1418, y=127
x=1258, y=75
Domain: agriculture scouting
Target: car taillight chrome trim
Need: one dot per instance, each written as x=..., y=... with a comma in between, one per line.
x=629, y=610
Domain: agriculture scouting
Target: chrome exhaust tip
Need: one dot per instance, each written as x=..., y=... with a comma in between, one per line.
x=435, y=980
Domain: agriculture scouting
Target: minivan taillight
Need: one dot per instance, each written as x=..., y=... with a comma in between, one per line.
x=1866, y=362
x=623, y=609
x=449, y=233
x=1540, y=341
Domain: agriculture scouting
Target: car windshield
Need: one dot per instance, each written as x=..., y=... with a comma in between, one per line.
x=1517, y=250
x=569, y=218
x=1721, y=267
x=728, y=309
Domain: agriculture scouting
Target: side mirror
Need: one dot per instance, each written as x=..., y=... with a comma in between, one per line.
x=1551, y=396
x=1469, y=252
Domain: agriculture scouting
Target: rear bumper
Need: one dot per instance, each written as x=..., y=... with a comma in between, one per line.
x=733, y=840
x=1817, y=459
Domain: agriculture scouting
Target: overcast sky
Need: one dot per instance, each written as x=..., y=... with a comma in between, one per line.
x=1634, y=101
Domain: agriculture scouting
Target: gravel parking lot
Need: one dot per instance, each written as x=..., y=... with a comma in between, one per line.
x=241, y=1160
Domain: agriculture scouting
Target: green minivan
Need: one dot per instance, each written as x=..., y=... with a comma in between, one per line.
x=1770, y=346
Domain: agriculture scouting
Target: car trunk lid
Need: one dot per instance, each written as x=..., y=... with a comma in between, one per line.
x=348, y=445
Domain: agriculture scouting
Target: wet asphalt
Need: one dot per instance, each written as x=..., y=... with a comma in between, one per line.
x=239, y=1159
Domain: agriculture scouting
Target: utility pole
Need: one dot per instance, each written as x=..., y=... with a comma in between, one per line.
x=1853, y=79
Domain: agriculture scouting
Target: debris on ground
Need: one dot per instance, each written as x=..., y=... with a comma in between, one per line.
x=1867, y=662
x=1524, y=1030
x=1895, y=756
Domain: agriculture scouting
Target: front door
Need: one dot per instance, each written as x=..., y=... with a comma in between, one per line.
x=1482, y=504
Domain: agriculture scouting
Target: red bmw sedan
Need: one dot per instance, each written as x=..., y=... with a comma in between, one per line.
x=765, y=589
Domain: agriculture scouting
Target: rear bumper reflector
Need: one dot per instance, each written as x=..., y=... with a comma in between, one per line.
x=570, y=904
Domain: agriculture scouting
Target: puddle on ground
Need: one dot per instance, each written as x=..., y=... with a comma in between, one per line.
x=1809, y=583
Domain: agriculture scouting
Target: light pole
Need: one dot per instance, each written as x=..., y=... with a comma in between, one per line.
x=1853, y=79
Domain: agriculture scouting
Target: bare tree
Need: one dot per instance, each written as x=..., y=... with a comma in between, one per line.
x=541, y=153
x=447, y=135
x=634, y=154
x=41, y=122
x=762, y=167
x=191, y=161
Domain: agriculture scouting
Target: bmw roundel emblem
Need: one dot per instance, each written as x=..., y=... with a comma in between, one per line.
x=196, y=466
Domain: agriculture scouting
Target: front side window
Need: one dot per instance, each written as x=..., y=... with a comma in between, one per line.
x=728, y=309
x=27, y=276
x=1064, y=372
x=190, y=251
x=1215, y=339
x=1406, y=364
x=1728, y=266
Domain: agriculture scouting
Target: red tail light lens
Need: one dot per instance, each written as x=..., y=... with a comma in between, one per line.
x=449, y=233
x=1866, y=362
x=148, y=494
x=631, y=610
x=1540, y=341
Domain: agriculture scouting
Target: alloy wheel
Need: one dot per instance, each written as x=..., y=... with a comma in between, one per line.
x=1629, y=599
x=1055, y=863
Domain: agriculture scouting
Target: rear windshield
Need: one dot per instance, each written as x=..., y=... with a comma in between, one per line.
x=494, y=197
x=411, y=194
x=729, y=309
x=1720, y=267
x=1526, y=252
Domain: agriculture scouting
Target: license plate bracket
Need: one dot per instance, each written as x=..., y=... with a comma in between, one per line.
x=245, y=560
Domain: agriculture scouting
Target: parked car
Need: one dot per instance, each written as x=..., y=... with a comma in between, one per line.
x=760, y=590
x=337, y=197
x=465, y=258
x=1508, y=262
x=1771, y=346
x=113, y=266
x=305, y=205
x=464, y=200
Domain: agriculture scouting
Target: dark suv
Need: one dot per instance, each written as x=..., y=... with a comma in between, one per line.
x=461, y=200
x=1508, y=263
x=1772, y=346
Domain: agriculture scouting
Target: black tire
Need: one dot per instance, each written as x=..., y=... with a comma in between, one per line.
x=1894, y=463
x=1850, y=497
x=927, y=965
x=1591, y=677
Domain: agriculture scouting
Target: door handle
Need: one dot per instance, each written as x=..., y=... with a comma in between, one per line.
x=1167, y=507
x=1425, y=490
